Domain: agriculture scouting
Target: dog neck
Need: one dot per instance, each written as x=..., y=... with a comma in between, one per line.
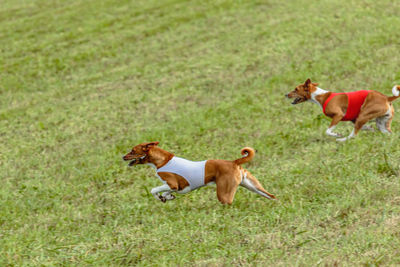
x=319, y=96
x=159, y=157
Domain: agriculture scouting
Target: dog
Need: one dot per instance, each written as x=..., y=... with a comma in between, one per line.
x=358, y=107
x=182, y=176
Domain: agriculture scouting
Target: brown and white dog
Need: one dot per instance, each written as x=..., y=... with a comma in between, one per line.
x=358, y=107
x=227, y=175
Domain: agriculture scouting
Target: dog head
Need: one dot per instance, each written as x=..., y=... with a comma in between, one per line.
x=139, y=153
x=302, y=92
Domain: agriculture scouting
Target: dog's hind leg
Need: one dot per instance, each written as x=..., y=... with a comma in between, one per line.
x=362, y=119
x=226, y=187
x=380, y=124
x=383, y=123
x=389, y=121
x=251, y=183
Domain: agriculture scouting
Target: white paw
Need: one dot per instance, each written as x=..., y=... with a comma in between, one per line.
x=330, y=132
x=163, y=199
x=160, y=197
x=341, y=139
x=168, y=196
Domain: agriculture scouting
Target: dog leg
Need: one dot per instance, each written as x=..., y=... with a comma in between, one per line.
x=383, y=123
x=157, y=190
x=334, y=122
x=252, y=184
x=330, y=132
x=184, y=190
x=226, y=187
x=168, y=196
x=362, y=119
x=389, y=121
x=173, y=183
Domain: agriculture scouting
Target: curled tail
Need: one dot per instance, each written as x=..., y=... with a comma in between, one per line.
x=396, y=93
x=248, y=154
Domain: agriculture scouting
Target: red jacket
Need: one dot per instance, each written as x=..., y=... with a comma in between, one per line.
x=356, y=99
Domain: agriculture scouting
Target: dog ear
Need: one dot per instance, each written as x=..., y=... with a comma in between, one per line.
x=315, y=84
x=308, y=82
x=150, y=145
x=153, y=143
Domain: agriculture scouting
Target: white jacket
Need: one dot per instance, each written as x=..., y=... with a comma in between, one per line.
x=192, y=171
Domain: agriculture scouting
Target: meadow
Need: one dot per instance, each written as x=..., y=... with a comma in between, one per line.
x=83, y=81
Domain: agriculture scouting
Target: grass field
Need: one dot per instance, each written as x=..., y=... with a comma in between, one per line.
x=83, y=81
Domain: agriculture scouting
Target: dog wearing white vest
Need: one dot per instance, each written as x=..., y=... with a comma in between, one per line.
x=182, y=176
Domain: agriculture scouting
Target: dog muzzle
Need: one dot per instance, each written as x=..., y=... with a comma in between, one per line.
x=133, y=162
x=296, y=100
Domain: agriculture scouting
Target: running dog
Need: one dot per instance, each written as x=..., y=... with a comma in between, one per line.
x=182, y=176
x=358, y=107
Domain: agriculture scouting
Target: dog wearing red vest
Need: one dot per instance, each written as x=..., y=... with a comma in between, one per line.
x=358, y=107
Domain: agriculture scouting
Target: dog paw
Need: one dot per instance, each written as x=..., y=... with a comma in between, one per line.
x=168, y=196
x=160, y=197
x=341, y=139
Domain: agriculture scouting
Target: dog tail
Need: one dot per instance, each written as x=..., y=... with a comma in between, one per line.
x=396, y=93
x=248, y=154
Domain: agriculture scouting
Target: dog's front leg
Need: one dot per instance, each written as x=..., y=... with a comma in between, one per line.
x=157, y=190
x=168, y=196
x=334, y=122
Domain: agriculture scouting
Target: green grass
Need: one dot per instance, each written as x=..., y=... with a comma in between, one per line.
x=81, y=82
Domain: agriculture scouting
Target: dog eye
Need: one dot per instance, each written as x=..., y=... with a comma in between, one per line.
x=295, y=89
